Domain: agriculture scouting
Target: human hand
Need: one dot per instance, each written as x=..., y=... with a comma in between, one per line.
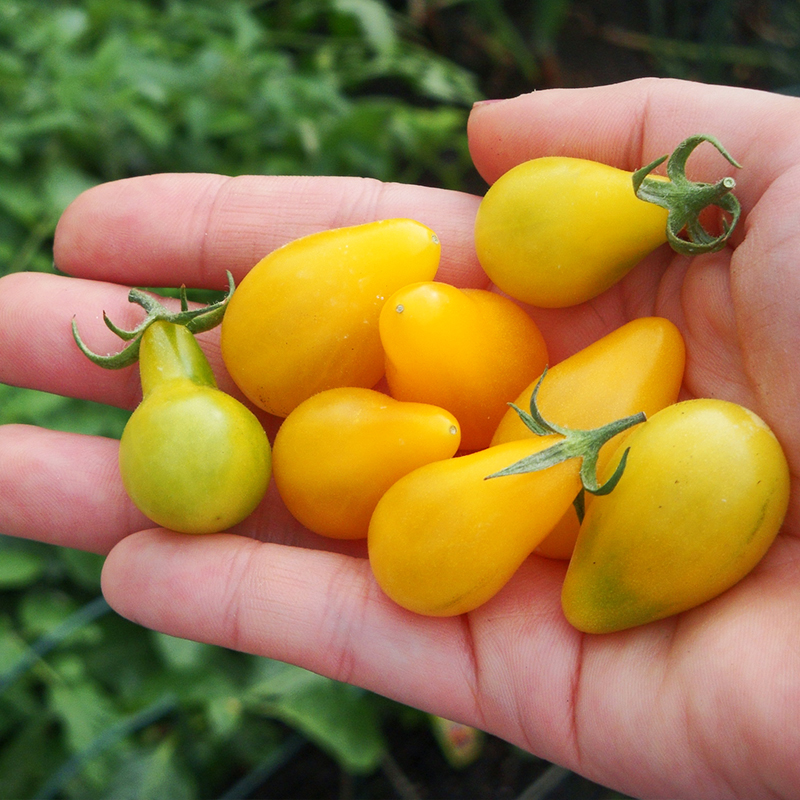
x=705, y=704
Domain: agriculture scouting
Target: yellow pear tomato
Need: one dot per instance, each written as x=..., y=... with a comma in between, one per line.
x=557, y=231
x=191, y=457
x=637, y=367
x=467, y=350
x=703, y=495
x=337, y=453
x=444, y=539
x=305, y=318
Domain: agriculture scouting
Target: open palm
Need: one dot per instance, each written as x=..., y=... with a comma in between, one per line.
x=705, y=704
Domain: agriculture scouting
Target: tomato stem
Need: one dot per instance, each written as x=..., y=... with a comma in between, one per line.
x=685, y=199
x=579, y=504
x=576, y=443
x=169, y=352
x=195, y=320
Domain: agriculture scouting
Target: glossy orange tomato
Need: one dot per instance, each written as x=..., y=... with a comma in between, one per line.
x=638, y=367
x=467, y=350
x=340, y=450
x=443, y=539
x=305, y=318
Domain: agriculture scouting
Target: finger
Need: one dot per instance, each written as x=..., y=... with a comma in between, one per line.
x=63, y=488
x=324, y=611
x=173, y=229
x=37, y=349
x=320, y=610
x=631, y=124
x=66, y=489
x=514, y=667
x=164, y=230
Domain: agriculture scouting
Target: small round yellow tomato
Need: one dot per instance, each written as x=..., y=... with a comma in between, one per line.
x=558, y=231
x=340, y=450
x=467, y=350
x=637, y=367
x=703, y=495
x=443, y=539
x=305, y=318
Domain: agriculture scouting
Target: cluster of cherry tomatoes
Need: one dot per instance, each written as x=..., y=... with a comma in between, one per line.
x=473, y=455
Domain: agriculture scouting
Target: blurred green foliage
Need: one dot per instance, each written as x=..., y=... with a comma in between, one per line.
x=743, y=42
x=100, y=90
x=92, y=706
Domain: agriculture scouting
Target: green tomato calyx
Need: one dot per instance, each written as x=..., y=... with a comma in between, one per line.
x=195, y=320
x=576, y=443
x=685, y=199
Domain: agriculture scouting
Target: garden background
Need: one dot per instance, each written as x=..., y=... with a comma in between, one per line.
x=92, y=706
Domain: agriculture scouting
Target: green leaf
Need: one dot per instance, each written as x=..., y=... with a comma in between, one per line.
x=20, y=199
x=340, y=719
x=182, y=654
x=150, y=125
x=12, y=647
x=549, y=19
x=19, y=568
x=97, y=760
x=224, y=715
x=77, y=626
x=85, y=711
x=32, y=407
x=63, y=182
x=375, y=22
x=82, y=567
x=152, y=774
x=70, y=24
x=41, y=611
x=28, y=754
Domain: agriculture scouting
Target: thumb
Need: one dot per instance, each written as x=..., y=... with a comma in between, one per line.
x=630, y=124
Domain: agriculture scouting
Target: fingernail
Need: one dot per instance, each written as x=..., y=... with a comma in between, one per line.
x=491, y=100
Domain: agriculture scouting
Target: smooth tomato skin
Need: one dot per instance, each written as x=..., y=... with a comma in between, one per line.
x=305, y=318
x=337, y=453
x=703, y=495
x=560, y=542
x=443, y=540
x=557, y=231
x=192, y=458
x=470, y=351
x=637, y=367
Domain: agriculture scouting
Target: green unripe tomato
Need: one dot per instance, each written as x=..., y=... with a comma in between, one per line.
x=192, y=458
